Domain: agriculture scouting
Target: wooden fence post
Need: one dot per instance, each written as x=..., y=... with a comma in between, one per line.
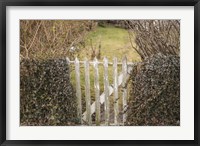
x=78, y=90
x=97, y=91
x=87, y=92
x=124, y=95
x=68, y=62
x=106, y=91
x=115, y=86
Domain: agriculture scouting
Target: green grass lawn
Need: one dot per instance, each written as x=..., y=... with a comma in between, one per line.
x=114, y=43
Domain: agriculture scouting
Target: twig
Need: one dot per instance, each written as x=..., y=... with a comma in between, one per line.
x=35, y=35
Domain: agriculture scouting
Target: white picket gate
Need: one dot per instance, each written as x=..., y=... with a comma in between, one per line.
x=103, y=98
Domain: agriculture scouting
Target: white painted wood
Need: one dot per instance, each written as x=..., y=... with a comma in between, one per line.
x=97, y=92
x=106, y=91
x=109, y=63
x=68, y=62
x=78, y=89
x=124, y=94
x=87, y=93
x=102, y=97
x=115, y=86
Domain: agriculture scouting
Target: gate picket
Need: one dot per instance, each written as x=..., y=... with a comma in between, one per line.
x=124, y=95
x=115, y=86
x=106, y=91
x=78, y=89
x=87, y=93
x=97, y=92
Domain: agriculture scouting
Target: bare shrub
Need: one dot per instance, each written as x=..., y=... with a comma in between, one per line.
x=44, y=39
x=155, y=36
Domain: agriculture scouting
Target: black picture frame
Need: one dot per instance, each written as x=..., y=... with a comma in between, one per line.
x=5, y=3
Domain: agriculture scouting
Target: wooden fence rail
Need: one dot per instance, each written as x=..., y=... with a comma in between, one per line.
x=103, y=98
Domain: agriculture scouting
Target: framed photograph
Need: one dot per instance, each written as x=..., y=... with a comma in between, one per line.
x=99, y=72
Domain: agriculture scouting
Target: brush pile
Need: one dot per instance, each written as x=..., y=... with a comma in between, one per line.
x=46, y=95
